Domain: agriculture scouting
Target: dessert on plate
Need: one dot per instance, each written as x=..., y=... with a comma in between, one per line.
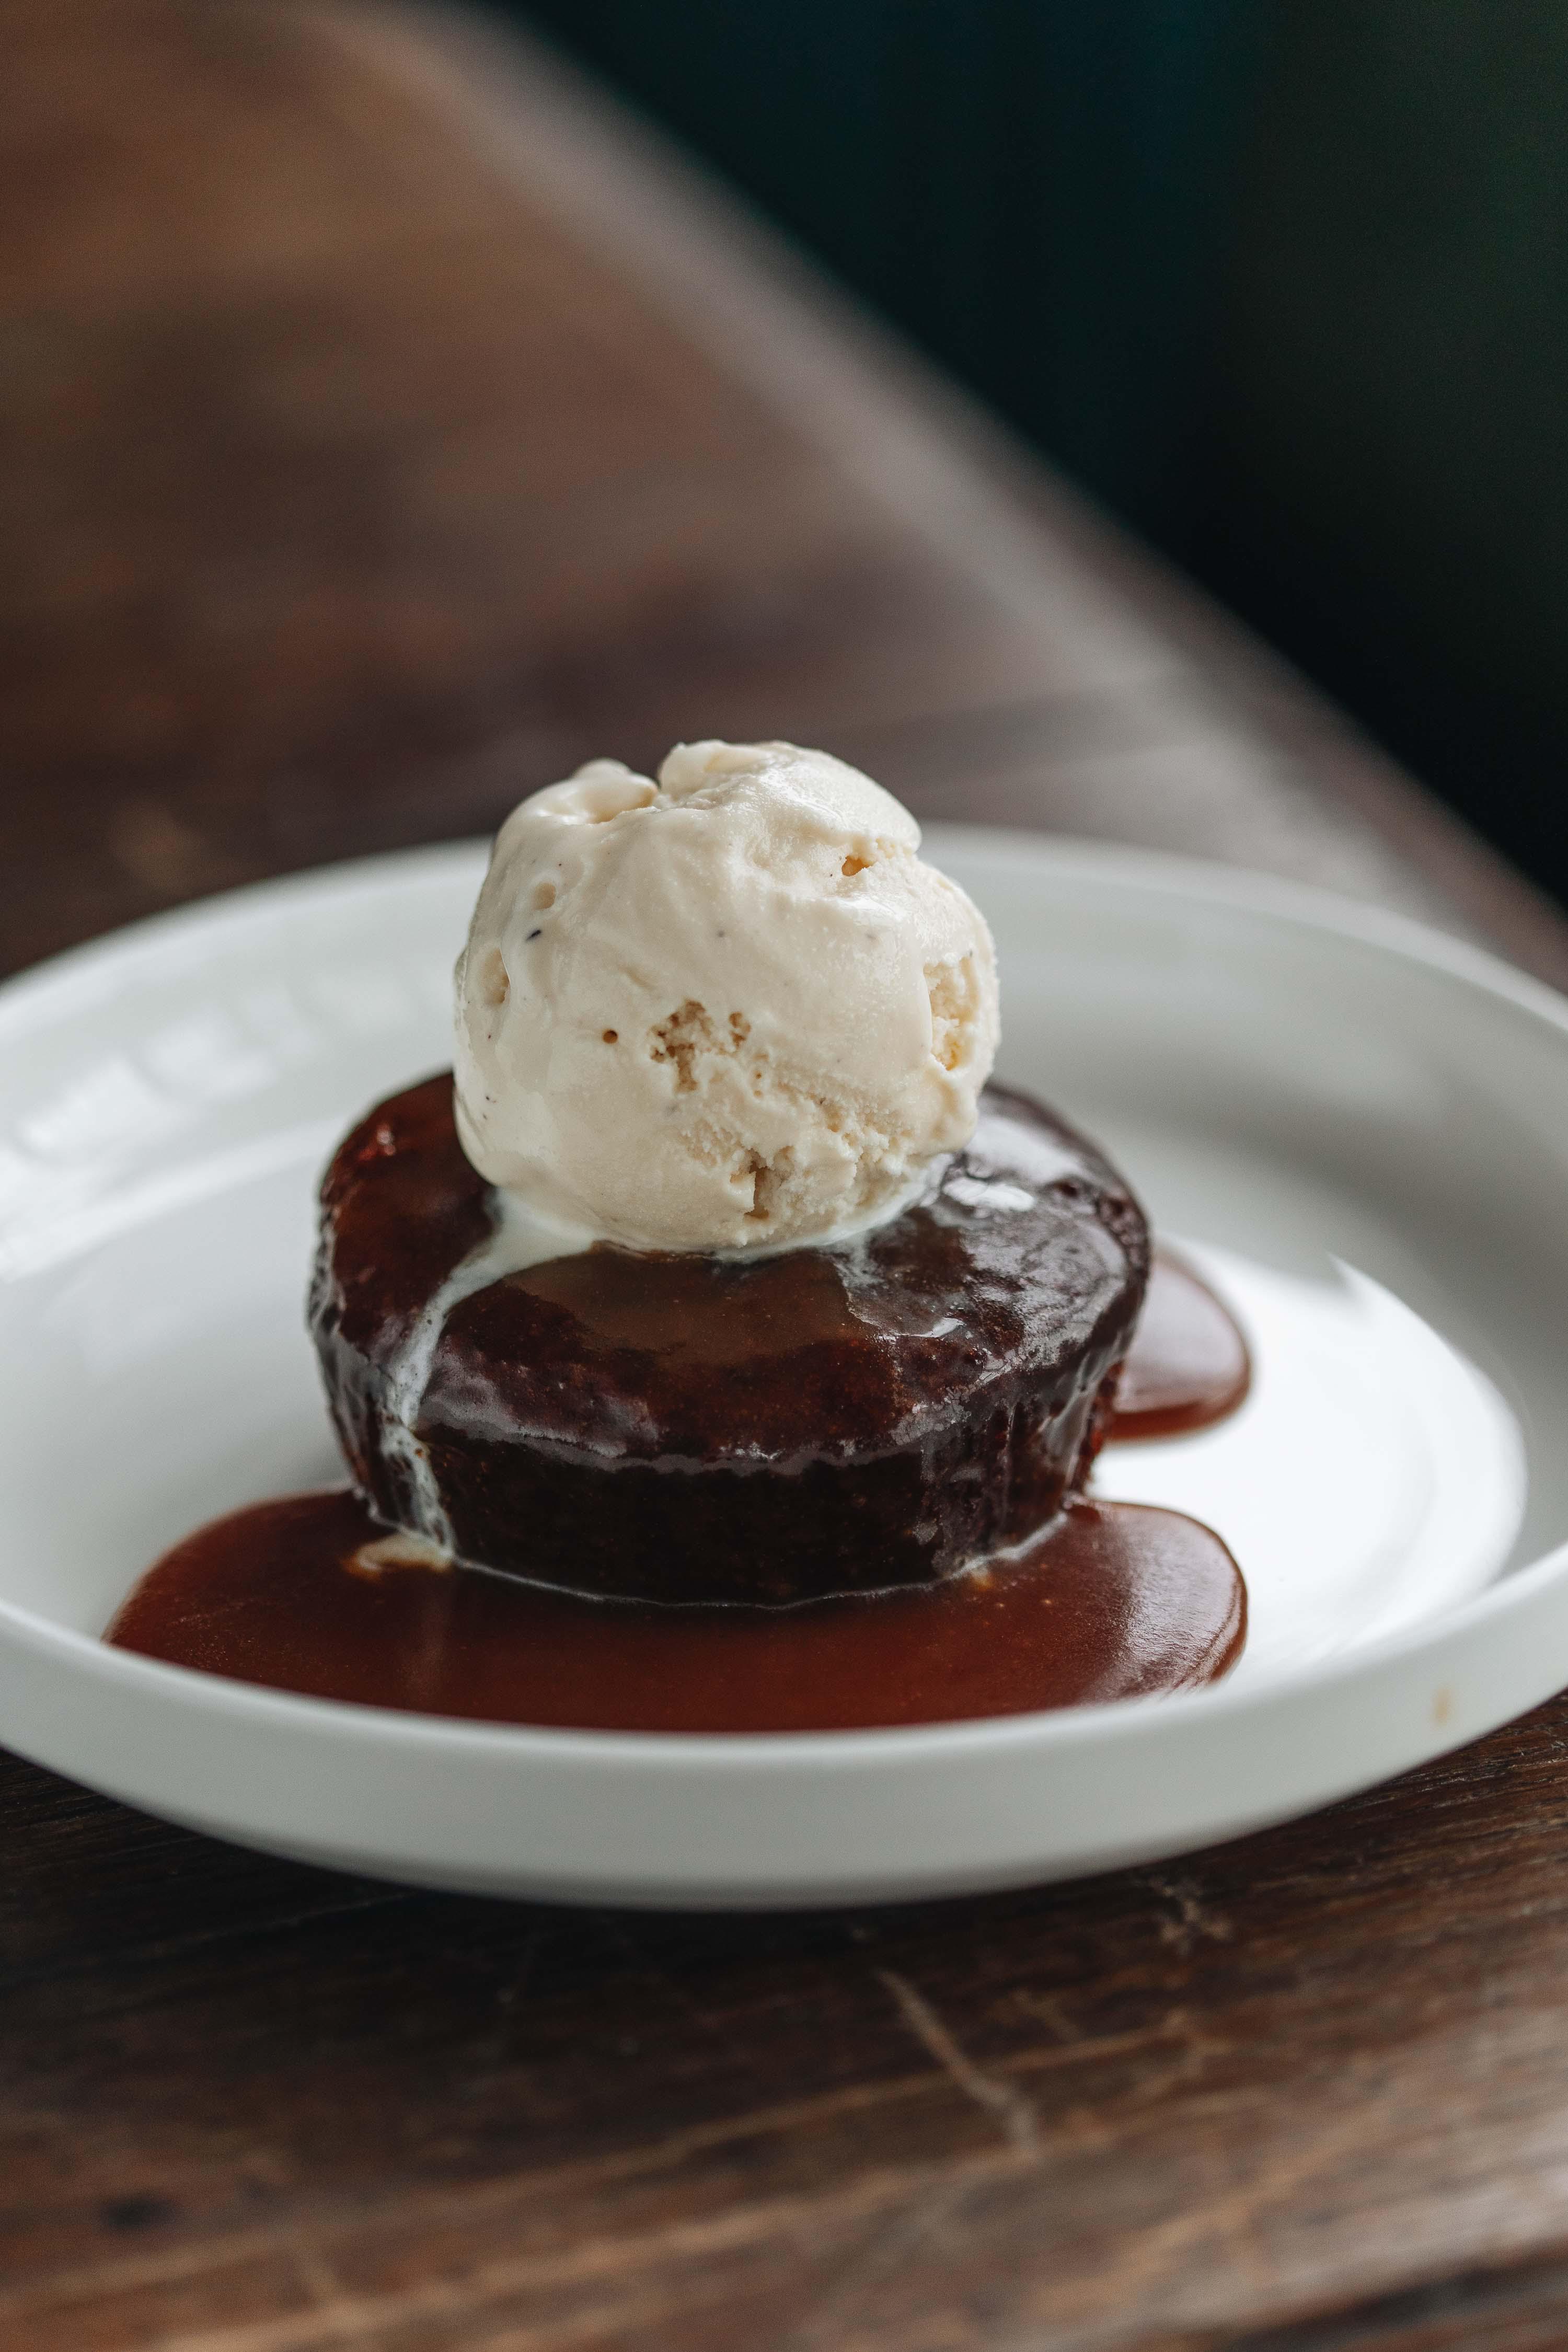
x=718, y=1272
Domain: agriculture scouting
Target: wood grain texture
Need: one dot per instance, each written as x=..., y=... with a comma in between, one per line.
x=387, y=434
x=383, y=429
x=1317, y=2073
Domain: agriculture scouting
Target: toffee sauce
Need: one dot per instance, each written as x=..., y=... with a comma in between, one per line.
x=1112, y=1600
x=1188, y=1365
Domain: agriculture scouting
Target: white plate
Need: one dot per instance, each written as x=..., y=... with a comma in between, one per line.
x=1364, y=1124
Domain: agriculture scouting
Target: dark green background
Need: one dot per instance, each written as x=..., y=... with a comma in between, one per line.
x=1284, y=282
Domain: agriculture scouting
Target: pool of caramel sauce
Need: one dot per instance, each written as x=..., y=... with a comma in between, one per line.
x=1110, y=1601
x=1188, y=1366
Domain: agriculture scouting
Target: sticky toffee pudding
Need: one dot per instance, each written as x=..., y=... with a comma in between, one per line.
x=689, y=1428
x=715, y=1350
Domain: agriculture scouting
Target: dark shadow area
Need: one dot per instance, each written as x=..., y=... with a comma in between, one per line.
x=1282, y=285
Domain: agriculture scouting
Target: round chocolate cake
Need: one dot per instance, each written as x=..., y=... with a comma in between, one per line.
x=702, y=1428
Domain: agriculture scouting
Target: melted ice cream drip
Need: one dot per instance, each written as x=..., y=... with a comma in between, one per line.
x=518, y=1239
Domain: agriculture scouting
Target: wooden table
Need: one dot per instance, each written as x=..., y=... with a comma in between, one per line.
x=387, y=427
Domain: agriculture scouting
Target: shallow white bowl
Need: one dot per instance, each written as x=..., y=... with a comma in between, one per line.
x=1300, y=1085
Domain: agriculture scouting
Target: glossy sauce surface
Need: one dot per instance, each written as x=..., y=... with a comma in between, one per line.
x=1111, y=1602
x=1188, y=1366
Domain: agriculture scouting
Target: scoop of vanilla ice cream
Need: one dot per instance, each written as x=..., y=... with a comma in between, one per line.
x=730, y=1010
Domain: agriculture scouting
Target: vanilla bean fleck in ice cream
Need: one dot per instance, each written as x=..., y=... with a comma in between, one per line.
x=731, y=1008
